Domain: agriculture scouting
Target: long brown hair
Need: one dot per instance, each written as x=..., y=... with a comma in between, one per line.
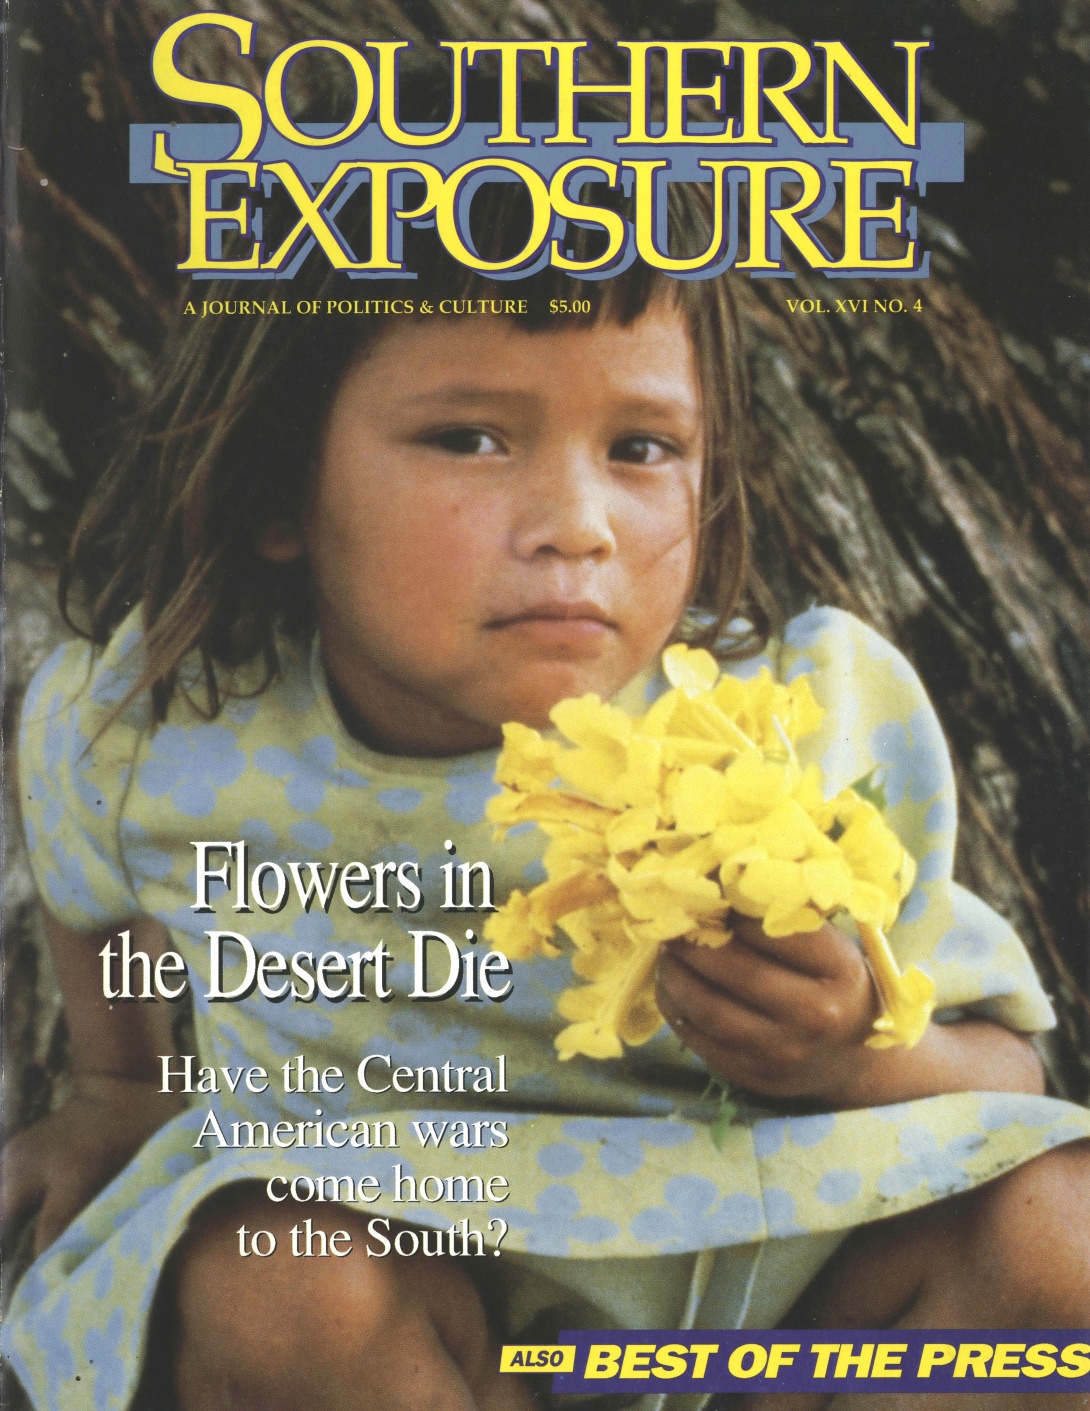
x=230, y=432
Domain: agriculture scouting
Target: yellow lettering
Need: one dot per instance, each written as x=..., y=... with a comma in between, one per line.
x=388, y=63
x=935, y=1354
x=669, y=1361
x=887, y=1359
x=201, y=216
x=636, y=1361
x=747, y=1360
x=568, y=89
x=754, y=90
x=447, y=204
x=510, y=53
x=839, y=60
x=786, y=217
x=612, y=222
x=274, y=92
x=170, y=80
x=1007, y=1357
x=644, y=202
x=856, y=215
x=1040, y=1360
x=603, y=1360
x=973, y=1357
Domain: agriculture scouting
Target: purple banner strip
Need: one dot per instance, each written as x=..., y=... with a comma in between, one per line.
x=917, y=1360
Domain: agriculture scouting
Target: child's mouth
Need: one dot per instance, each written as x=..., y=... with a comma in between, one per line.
x=560, y=624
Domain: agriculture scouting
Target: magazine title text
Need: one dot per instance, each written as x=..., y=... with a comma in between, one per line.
x=773, y=171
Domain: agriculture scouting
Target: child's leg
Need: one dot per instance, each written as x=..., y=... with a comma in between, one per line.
x=1012, y=1254
x=287, y=1333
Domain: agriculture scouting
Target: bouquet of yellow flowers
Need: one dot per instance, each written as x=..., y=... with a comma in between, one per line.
x=661, y=825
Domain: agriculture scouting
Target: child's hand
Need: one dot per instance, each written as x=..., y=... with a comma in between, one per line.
x=788, y=1017
x=781, y=1016
x=60, y=1163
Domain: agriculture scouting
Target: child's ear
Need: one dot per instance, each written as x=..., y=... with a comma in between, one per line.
x=281, y=541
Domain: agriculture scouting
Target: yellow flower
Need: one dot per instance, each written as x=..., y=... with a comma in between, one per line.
x=763, y=707
x=693, y=671
x=618, y=1007
x=611, y=762
x=509, y=808
x=632, y=830
x=668, y=899
x=575, y=850
x=883, y=868
x=528, y=762
x=511, y=931
x=908, y=1000
x=659, y=825
x=525, y=928
x=777, y=892
x=701, y=799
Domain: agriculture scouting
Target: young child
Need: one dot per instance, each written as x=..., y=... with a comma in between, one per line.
x=338, y=556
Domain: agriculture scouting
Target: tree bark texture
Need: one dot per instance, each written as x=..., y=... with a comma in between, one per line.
x=927, y=471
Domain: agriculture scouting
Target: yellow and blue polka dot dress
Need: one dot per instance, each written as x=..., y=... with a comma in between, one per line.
x=615, y=1187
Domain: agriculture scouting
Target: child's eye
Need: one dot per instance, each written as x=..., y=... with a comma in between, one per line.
x=465, y=441
x=641, y=450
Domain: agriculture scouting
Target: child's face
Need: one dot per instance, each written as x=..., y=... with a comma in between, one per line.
x=500, y=519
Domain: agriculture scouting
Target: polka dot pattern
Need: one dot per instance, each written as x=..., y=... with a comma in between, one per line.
x=603, y=1159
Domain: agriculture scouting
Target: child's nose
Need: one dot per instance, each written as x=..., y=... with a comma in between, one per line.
x=565, y=509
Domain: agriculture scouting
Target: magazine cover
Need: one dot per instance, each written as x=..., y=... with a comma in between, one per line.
x=547, y=714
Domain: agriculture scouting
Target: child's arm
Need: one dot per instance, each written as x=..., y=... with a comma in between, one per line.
x=61, y=1162
x=787, y=1017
